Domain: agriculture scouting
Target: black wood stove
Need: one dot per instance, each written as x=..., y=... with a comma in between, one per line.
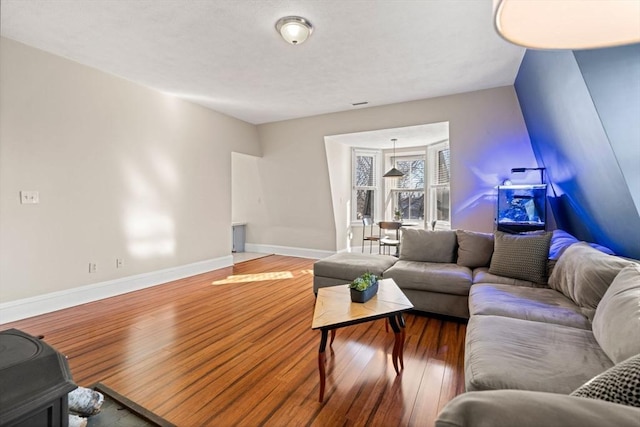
x=34, y=382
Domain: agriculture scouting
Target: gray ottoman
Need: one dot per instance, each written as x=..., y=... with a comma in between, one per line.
x=343, y=268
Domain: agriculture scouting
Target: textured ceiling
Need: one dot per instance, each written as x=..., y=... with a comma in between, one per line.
x=406, y=137
x=227, y=55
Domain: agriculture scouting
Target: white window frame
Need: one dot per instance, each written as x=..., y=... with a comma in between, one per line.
x=377, y=193
x=432, y=185
x=393, y=191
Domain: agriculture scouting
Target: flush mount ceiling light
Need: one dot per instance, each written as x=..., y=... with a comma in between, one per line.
x=568, y=24
x=393, y=172
x=294, y=29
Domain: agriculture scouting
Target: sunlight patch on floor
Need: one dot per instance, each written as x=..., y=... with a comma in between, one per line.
x=258, y=277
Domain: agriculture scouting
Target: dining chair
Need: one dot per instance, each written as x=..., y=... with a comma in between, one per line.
x=386, y=241
x=367, y=222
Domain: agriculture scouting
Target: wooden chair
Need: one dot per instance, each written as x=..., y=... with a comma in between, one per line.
x=367, y=222
x=386, y=241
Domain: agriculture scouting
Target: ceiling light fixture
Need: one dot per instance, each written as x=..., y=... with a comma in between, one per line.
x=294, y=29
x=568, y=24
x=393, y=172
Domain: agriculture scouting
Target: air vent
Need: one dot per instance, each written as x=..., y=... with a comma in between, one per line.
x=357, y=104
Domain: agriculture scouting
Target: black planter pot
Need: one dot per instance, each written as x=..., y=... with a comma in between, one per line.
x=366, y=295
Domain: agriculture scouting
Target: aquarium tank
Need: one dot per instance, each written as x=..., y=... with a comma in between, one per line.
x=521, y=208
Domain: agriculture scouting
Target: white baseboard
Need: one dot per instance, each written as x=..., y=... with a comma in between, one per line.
x=41, y=304
x=287, y=250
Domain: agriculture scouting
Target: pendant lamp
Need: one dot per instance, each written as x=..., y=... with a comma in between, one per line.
x=393, y=172
x=568, y=24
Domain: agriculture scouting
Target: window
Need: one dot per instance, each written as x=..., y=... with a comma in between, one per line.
x=421, y=194
x=439, y=199
x=365, y=184
x=408, y=194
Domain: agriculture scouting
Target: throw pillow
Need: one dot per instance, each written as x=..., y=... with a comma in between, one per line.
x=618, y=384
x=474, y=249
x=521, y=256
x=584, y=274
x=616, y=324
x=428, y=246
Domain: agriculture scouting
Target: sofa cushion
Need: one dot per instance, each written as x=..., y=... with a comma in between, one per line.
x=474, y=249
x=428, y=246
x=539, y=305
x=348, y=266
x=560, y=241
x=482, y=275
x=521, y=408
x=619, y=384
x=583, y=274
x=616, y=324
x=507, y=353
x=521, y=256
x=447, y=278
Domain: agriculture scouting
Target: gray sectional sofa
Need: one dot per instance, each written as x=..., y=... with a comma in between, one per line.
x=554, y=324
x=436, y=269
x=564, y=355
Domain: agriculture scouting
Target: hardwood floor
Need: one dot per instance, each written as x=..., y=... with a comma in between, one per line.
x=234, y=347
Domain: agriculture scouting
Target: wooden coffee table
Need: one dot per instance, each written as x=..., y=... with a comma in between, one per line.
x=334, y=310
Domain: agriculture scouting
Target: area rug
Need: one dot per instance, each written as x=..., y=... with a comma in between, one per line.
x=118, y=411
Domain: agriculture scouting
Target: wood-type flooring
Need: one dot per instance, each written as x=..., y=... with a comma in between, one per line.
x=234, y=347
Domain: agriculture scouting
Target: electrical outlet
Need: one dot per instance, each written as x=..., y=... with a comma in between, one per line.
x=119, y=262
x=29, y=197
x=92, y=267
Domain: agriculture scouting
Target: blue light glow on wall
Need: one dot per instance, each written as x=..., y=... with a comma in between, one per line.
x=581, y=131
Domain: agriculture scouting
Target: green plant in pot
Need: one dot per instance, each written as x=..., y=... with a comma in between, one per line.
x=364, y=287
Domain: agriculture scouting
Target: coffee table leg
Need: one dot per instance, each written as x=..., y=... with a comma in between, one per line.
x=397, y=342
x=321, y=361
x=333, y=336
x=402, y=338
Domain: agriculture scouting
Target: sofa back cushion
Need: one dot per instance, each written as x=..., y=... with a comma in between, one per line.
x=521, y=256
x=428, y=246
x=616, y=324
x=474, y=249
x=584, y=274
x=560, y=241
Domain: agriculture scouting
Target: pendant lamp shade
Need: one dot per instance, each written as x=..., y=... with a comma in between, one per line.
x=393, y=172
x=568, y=24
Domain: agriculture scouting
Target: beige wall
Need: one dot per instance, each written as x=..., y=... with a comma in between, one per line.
x=127, y=172
x=487, y=137
x=123, y=172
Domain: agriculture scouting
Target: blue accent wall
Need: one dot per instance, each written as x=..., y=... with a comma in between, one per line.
x=582, y=111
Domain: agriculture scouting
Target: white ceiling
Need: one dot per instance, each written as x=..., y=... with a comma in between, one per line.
x=407, y=137
x=227, y=55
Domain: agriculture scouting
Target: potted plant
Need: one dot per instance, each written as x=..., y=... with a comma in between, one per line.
x=364, y=287
x=397, y=214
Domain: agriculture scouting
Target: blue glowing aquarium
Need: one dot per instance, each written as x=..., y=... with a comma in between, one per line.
x=522, y=208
